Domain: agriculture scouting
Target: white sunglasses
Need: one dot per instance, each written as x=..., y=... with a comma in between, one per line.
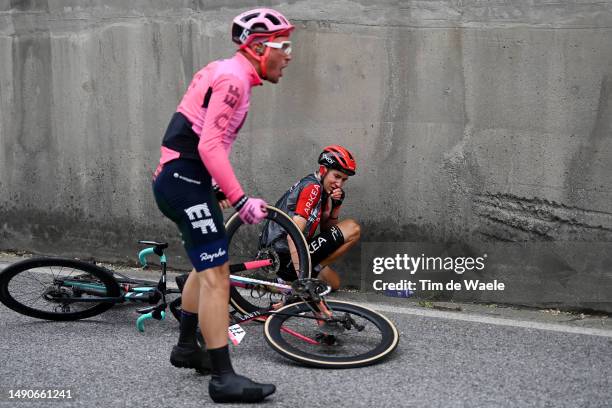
x=284, y=46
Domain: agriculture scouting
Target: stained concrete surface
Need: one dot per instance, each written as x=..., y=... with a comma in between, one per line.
x=471, y=121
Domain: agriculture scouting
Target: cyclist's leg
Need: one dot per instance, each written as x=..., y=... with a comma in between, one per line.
x=335, y=245
x=225, y=385
x=205, y=299
x=189, y=326
x=183, y=192
x=190, y=293
x=330, y=276
x=351, y=232
x=212, y=308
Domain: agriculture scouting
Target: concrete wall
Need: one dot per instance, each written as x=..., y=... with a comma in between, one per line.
x=471, y=120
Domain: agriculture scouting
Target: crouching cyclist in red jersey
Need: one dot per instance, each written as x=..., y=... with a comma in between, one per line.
x=312, y=202
x=194, y=156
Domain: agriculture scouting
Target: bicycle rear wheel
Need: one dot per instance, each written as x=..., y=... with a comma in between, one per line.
x=244, y=247
x=293, y=333
x=57, y=288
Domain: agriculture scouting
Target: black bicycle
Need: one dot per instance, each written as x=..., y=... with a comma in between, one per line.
x=300, y=323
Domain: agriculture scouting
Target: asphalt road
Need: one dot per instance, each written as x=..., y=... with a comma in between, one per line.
x=478, y=357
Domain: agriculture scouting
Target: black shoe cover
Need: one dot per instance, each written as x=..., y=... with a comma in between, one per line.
x=236, y=388
x=185, y=355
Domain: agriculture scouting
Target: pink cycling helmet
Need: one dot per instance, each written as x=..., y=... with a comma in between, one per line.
x=262, y=23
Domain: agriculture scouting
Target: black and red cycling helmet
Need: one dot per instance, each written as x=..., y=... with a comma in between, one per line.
x=338, y=158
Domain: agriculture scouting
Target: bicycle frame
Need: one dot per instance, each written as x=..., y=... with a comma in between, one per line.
x=245, y=318
x=138, y=291
x=246, y=283
x=296, y=318
x=298, y=321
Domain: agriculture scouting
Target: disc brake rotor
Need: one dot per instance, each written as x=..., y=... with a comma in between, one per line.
x=55, y=294
x=269, y=253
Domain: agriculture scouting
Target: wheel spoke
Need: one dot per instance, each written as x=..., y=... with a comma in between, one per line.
x=31, y=276
x=34, y=287
x=29, y=293
x=36, y=299
x=244, y=246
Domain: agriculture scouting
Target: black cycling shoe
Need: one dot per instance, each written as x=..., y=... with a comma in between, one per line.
x=187, y=355
x=236, y=388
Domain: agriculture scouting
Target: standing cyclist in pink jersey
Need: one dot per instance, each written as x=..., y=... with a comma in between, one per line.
x=195, y=178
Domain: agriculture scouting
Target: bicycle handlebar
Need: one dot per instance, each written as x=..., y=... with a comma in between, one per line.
x=140, y=321
x=142, y=256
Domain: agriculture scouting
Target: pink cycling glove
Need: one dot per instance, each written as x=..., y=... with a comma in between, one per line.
x=251, y=210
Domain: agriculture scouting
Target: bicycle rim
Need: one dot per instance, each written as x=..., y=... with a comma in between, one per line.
x=292, y=337
x=244, y=247
x=40, y=287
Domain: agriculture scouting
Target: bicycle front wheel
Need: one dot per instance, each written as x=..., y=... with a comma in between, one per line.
x=244, y=248
x=294, y=333
x=57, y=288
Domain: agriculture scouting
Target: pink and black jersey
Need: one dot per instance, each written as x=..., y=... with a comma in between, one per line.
x=209, y=117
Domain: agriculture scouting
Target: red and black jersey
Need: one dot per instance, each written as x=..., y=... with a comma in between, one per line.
x=305, y=198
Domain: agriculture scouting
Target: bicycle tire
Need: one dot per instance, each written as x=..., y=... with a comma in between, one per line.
x=46, y=269
x=328, y=356
x=241, y=301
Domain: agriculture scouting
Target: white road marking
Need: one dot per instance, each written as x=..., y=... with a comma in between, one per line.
x=489, y=320
x=467, y=317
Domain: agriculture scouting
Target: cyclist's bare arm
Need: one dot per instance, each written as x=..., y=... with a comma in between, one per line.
x=301, y=224
x=330, y=218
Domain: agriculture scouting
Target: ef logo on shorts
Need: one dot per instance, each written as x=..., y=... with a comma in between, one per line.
x=200, y=217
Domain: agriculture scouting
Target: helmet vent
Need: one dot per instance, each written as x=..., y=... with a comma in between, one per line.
x=249, y=17
x=273, y=19
x=259, y=28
